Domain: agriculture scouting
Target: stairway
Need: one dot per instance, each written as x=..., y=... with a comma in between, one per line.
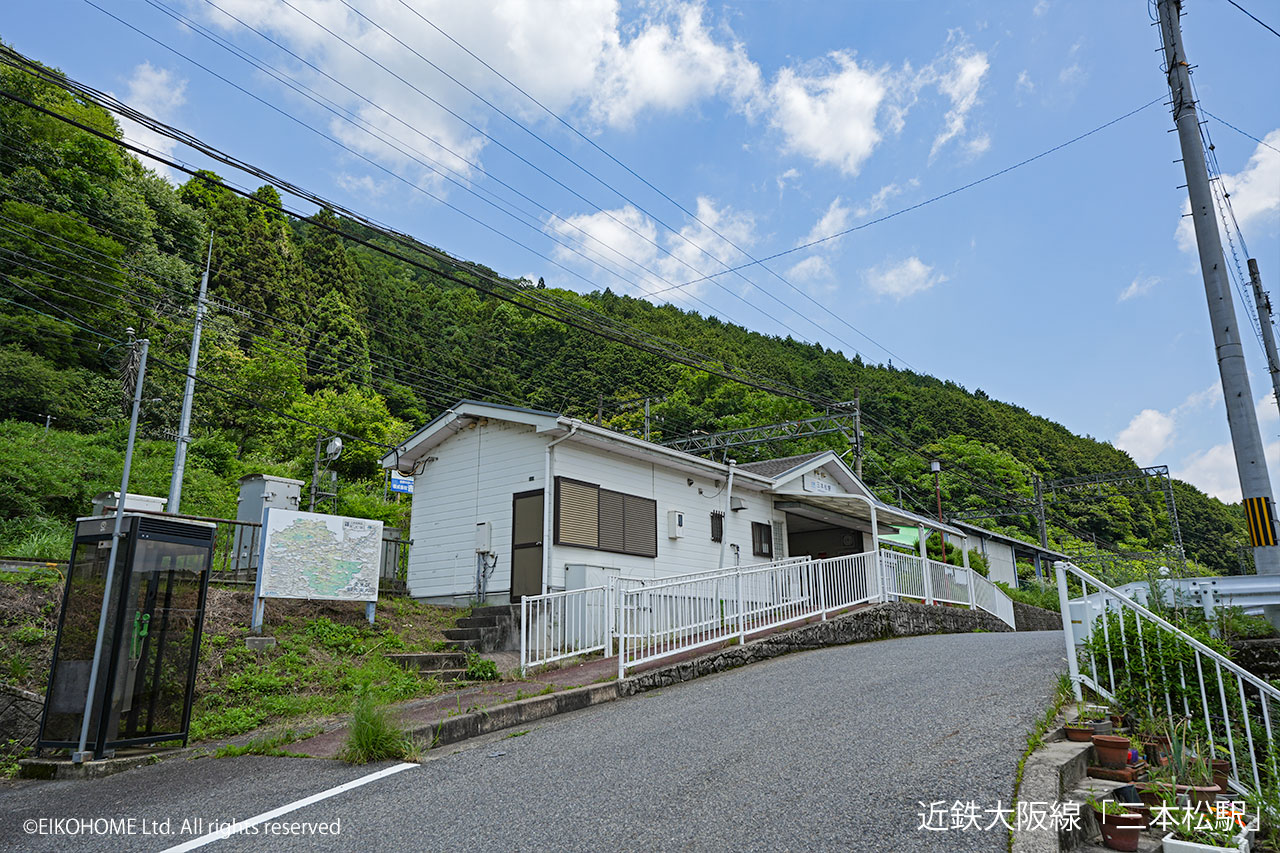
x=487, y=629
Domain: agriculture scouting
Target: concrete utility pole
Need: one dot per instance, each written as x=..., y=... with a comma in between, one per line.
x=857, y=433
x=1263, y=300
x=82, y=754
x=184, y=422
x=1040, y=523
x=1251, y=464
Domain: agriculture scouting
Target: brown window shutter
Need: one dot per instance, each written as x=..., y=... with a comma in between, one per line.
x=612, y=521
x=578, y=513
x=641, y=526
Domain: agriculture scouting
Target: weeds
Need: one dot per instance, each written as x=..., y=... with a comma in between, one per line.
x=480, y=669
x=266, y=745
x=374, y=735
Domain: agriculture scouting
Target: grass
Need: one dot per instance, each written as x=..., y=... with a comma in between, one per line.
x=1062, y=695
x=1042, y=595
x=267, y=745
x=374, y=735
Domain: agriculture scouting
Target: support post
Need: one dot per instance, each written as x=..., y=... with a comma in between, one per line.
x=964, y=558
x=1064, y=604
x=1263, y=300
x=1040, y=523
x=1242, y=419
x=80, y=755
x=857, y=433
x=188, y=393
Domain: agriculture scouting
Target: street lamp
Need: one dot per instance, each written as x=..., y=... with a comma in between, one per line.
x=936, y=467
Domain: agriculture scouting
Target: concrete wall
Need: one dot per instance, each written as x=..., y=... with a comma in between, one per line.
x=1029, y=618
x=19, y=717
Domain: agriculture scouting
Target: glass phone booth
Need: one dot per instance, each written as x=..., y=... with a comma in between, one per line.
x=151, y=644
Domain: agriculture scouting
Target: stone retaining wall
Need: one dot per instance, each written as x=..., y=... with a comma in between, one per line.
x=1030, y=618
x=878, y=622
x=19, y=717
x=1261, y=657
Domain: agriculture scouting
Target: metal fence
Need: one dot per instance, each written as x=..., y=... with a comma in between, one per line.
x=1128, y=654
x=649, y=619
x=561, y=625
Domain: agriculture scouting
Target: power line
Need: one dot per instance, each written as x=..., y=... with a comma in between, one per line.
x=1006, y=170
x=1255, y=17
x=1239, y=131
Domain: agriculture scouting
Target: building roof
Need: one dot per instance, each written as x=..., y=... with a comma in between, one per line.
x=773, y=467
x=983, y=533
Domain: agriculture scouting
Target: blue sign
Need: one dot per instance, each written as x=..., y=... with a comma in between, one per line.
x=401, y=484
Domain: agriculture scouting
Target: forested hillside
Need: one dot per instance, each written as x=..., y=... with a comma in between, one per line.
x=309, y=330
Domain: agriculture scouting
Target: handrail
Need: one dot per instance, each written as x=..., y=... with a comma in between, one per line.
x=1222, y=660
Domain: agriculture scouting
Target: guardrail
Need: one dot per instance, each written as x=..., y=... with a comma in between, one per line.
x=559, y=625
x=1127, y=649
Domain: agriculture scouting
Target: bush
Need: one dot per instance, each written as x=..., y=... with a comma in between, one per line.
x=373, y=735
x=1042, y=595
x=481, y=669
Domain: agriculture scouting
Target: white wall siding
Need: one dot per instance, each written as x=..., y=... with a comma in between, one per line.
x=1000, y=560
x=472, y=480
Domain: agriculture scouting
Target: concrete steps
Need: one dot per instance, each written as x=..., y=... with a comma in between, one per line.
x=487, y=629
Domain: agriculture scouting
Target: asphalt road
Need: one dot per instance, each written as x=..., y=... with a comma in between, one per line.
x=832, y=749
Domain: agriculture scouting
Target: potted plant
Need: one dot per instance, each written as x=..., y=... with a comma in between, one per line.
x=1220, y=764
x=1196, y=831
x=1090, y=720
x=1154, y=738
x=1113, y=750
x=1160, y=789
x=1191, y=769
x=1121, y=827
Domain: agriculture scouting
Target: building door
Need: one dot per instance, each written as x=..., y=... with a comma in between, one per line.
x=526, y=544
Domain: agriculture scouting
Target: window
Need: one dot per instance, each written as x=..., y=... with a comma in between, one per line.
x=761, y=539
x=717, y=526
x=587, y=516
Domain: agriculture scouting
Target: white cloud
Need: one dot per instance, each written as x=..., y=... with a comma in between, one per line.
x=960, y=83
x=812, y=268
x=835, y=220
x=1024, y=82
x=159, y=93
x=1148, y=434
x=880, y=199
x=362, y=185
x=1140, y=286
x=670, y=64
x=695, y=251
x=903, y=279
x=978, y=145
x=1040, y=8
x=786, y=178
x=582, y=61
x=1214, y=471
x=830, y=116
x=1253, y=190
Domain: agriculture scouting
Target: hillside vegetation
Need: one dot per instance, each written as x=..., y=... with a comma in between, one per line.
x=308, y=330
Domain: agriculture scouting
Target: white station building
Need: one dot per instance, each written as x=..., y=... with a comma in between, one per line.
x=485, y=526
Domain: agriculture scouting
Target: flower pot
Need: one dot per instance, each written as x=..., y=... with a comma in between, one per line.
x=1120, y=831
x=1153, y=794
x=1079, y=734
x=1170, y=844
x=1113, y=750
x=1221, y=770
x=1201, y=796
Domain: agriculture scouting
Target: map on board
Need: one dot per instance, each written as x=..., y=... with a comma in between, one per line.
x=310, y=555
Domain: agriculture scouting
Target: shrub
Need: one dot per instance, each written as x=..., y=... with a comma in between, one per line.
x=373, y=735
x=481, y=669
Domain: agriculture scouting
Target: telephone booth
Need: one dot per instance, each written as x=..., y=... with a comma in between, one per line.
x=151, y=638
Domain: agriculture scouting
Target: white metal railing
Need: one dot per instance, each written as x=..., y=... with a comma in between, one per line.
x=687, y=613
x=559, y=625
x=652, y=618
x=1108, y=633
x=989, y=597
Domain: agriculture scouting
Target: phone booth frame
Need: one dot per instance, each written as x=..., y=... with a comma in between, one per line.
x=155, y=551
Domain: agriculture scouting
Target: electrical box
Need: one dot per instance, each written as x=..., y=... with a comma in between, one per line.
x=258, y=493
x=484, y=538
x=675, y=524
x=736, y=504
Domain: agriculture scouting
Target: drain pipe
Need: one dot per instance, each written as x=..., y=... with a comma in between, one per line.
x=548, y=503
x=728, y=509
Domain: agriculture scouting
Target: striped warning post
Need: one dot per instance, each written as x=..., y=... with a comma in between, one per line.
x=1258, y=512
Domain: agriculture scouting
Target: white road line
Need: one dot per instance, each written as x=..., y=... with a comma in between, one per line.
x=242, y=825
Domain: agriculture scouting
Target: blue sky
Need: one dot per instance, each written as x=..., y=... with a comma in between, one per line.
x=1064, y=286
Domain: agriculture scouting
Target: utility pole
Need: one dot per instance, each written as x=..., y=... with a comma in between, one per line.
x=81, y=755
x=646, y=418
x=857, y=433
x=48, y=419
x=1040, y=525
x=1246, y=438
x=184, y=422
x=1263, y=300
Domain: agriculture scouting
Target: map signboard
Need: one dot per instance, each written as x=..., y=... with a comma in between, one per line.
x=314, y=556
